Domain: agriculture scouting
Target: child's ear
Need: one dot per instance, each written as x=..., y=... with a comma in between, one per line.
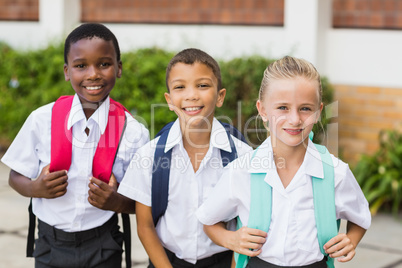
x=261, y=111
x=221, y=97
x=169, y=101
x=319, y=113
x=66, y=76
x=119, y=71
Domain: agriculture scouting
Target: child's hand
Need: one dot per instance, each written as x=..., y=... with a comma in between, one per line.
x=50, y=184
x=248, y=241
x=103, y=195
x=340, y=245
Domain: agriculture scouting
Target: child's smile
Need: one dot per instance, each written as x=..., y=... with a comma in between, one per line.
x=293, y=131
x=193, y=110
x=93, y=88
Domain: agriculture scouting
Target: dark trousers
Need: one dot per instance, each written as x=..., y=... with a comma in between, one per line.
x=219, y=260
x=100, y=247
x=256, y=262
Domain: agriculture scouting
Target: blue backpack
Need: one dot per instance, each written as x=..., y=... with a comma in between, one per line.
x=324, y=206
x=161, y=167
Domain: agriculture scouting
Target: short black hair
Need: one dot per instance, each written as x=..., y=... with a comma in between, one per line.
x=191, y=56
x=89, y=31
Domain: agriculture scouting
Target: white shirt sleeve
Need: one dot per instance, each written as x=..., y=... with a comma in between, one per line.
x=350, y=201
x=134, y=137
x=221, y=204
x=26, y=155
x=137, y=181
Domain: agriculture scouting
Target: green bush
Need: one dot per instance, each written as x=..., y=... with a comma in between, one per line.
x=380, y=175
x=242, y=79
x=40, y=80
x=141, y=88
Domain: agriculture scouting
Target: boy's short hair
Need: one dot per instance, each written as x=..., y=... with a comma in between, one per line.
x=191, y=56
x=89, y=31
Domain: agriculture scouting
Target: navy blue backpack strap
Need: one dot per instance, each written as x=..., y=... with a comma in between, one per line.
x=165, y=128
x=226, y=156
x=234, y=131
x=231, y=130
x=160, y=177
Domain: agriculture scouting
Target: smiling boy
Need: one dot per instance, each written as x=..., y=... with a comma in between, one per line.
x=66, y=146
x=197, y=144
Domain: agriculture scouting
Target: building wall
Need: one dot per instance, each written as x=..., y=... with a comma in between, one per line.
x=373, y=14
x=364, y=111
x=19, y=10
x=227, y=12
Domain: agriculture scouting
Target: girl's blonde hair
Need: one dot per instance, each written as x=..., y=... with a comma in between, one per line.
x=287, y=68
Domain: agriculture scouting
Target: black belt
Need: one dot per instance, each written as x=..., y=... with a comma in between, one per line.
x=257, y=262
x=206, y=262
x=78, y=237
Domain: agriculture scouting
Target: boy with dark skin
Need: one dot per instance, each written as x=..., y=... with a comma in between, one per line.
x=73, y=203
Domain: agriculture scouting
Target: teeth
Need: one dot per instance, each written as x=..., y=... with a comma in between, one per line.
x=93, y=88
x=191, y=109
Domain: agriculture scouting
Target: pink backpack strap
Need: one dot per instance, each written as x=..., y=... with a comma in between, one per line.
x=105, y=154
x=109, y=142
x=61, y=137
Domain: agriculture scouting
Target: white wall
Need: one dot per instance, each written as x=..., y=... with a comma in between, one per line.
x=353, y=57
x=365, y=57
x=23, y=35
x=224, y=42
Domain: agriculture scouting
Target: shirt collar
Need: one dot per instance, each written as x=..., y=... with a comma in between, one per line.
x=100, y=116
x=313, y=163
x=262, y=158
x=219, y=137
x=174, y=136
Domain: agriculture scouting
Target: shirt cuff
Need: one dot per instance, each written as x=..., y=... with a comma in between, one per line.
x=134, y=194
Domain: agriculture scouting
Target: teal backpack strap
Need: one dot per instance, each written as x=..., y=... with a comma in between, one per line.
x=325, y=213
x=260, y=209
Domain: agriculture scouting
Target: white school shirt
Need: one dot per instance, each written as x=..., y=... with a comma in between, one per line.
x=178, y=229
x=30, y=152
x=292, y=236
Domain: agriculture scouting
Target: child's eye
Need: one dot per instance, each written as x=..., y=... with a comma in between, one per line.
x=306, y=109
x=80, y=66
x=282, y=108
x=203, y=85
x=105, y=64
x=178, y=87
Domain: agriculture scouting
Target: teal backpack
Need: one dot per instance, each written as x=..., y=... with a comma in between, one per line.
x=324, y=206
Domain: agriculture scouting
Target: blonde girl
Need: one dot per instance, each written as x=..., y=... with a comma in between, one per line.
x=290, y=103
